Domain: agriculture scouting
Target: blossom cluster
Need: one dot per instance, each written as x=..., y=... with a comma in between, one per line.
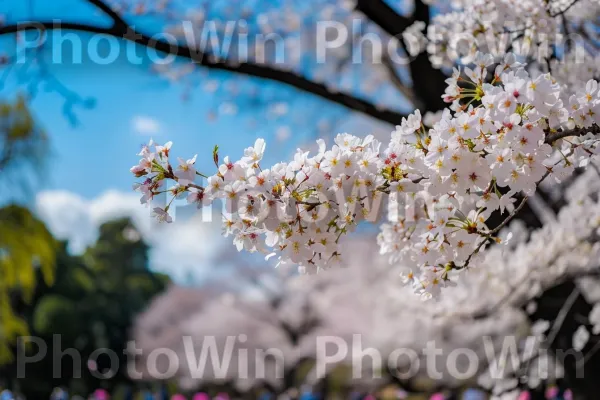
x=530, y=28
x=299, y=209
x=503, y=134
x=566, y=248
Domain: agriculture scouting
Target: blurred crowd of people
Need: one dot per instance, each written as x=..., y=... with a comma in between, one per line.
x=552, y=393
x=101, y=394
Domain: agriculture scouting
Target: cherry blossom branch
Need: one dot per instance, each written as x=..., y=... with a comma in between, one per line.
x=440, y=240
x=488, y=236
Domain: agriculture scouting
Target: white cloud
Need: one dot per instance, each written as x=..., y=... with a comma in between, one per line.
x=188, y=244
x=145, y=125
x=283, y=133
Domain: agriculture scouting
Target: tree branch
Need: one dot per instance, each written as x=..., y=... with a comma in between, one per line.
x=429, y=80
x=511, y=216
x=106, y=9
x=406, y=91
x=553, y=137
x=562, y=314
x=564, y=10
x=122, y=30
x=384, y=16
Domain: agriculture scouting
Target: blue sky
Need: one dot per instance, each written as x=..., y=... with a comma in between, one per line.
x=94, y=153
x=118, y=107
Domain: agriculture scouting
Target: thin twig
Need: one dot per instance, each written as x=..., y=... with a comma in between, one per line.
x=591, y=353
x=565, y=9
x=562, y=314
x=504, y=298
x=511, y=216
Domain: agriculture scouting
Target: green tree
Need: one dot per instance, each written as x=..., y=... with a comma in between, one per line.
x=25, y=243
x=91, y=306
x=25, y=246
x=24, y=148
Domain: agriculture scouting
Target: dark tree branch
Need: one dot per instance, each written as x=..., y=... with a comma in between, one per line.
x=594, y=129
x=120, y=29
x=430, y=81
x=106, y=9
x=564, y=10
x=397, y=82
x=384, y=16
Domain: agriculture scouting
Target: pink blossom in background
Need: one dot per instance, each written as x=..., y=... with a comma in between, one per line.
x=178, y=397
x=92, y=366
x=438, y=396
x=201, y=396
x=101, y=394
x=524, y=396
x=552, y=392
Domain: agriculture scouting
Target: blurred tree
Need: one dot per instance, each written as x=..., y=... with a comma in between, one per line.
x=25, y=246
x=91, y=307
x=24, y=148
x=25, y=243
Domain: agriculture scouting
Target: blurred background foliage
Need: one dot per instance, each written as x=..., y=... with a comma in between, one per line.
x=89, y=300
x=25, y=244
x=91, y=305
x=26, y=247
x=24, y=147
